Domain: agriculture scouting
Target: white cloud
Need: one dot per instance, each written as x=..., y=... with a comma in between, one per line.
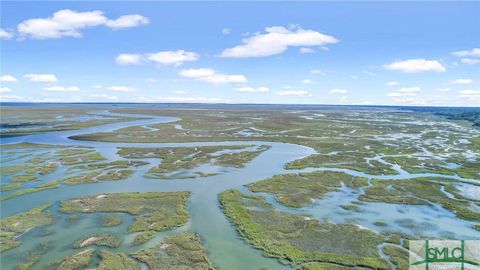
x=5, y=90
x=470, y=92
x=296, y=93
x=209, y=75
x=127, y=21
x=175, y=58
x=338, y=91
x=180, y=92
x=306, y=50
x=129, y=59
x=307, y=81
x=151, y=80
x=317, y=71
x=166, y=58
x=121, y=89
x=444, y=90
x=405, y=91
x=276, y=40
x=392, y=83
x=7, y=98
x=4, y=34
x=418, y=101
x=8, y=78
x=470, y=95
x=414, y=89
x=462, y=81
x=62, y=89
x=68, y=23
x=252, y=89
x=226, y=31
x=344, y=99
x=369, y=73
x=102, y=97
x=47, y=78
x=416, y=66
x=97, y=86
x=470, y=61
x=180, y=99
x=108, y=98
x=472, y=53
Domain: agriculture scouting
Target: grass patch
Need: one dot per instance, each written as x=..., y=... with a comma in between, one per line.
x=107, y=240
x=111, y=220
x=180, y=251
x=153, y=211
x=298, y=190
x=420, y=191
x=116, y=261
x=398, y=256
x=78, y=260
x=299, y=240
x=10, y=187
x=178, y=159
x=18, y=224
x=23, y=178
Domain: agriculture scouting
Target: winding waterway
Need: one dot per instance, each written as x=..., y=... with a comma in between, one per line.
x=224, y=246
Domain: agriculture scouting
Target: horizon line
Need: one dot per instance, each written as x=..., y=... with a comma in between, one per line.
x=226, y=103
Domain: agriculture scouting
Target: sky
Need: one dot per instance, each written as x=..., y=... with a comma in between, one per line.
x=366, y=53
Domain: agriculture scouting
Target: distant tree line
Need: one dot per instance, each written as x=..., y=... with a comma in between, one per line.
x=465, y=113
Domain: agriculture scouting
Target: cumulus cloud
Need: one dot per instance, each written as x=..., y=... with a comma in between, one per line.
x=211, y=76
x=226, y=31
x=307, y=81
x=344, y=99
x=151, y=80
x=121, y=88
x=338, y=91
x=306, y=50
x=4, y=34
x=180, y=99
x=69, y=23
x=172, y=57
x=392, y=83
x=296, y=93
x=109, y=98
x=8, y=78
x=416, y=66
x=470, y=61
x=276, y=40
x=47, y=78
x=317, y=72
x=62, y=89
x=444, y=90
x=180, y=92
x=405, y=91
x=471, y=53
x=129, y=59
x=252, y=89
x=127, y=21
x=5, y=90
x=470, y=95
x=166, y=58
x=462, y=81
x=470, y=92
x=369, y=73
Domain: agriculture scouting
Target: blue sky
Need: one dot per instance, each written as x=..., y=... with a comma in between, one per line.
x=392, y=53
